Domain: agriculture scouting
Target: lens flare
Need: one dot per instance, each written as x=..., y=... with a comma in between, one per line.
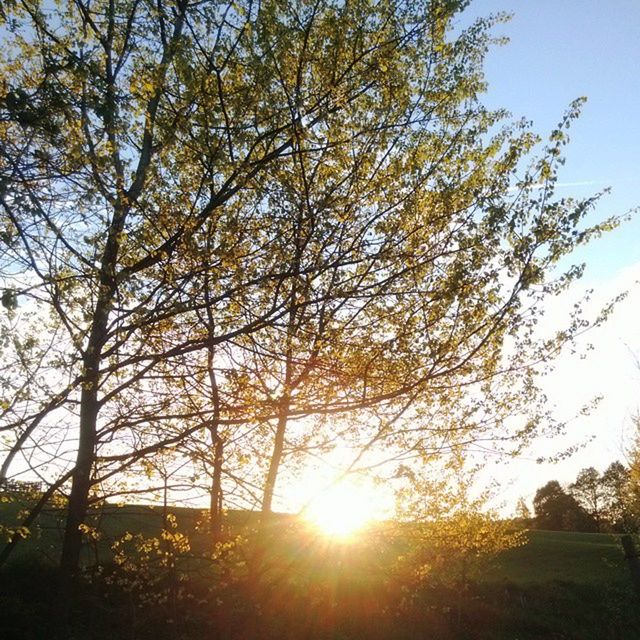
x=341, y=511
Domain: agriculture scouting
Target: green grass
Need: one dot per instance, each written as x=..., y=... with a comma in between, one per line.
x=581, y=558
x=548, y=556
x=559, y=586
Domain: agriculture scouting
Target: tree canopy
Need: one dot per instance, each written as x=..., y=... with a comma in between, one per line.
x=594, y=501
x=556, y=510
x=246, y=232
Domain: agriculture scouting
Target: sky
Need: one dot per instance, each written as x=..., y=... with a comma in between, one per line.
x=560, y=50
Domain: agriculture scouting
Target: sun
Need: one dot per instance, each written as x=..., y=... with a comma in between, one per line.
x=342, y=511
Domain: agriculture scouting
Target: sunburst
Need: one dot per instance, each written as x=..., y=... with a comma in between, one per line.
x=342, y=511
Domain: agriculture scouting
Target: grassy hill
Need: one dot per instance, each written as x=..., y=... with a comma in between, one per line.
x=581, y=558
x=559, y=586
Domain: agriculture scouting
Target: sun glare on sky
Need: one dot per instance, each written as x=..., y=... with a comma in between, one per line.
x=342, y=511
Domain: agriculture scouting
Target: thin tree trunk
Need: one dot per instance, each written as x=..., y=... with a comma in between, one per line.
x=215, y=504
x=284, y=405
x=81, y=483
x=89, y=403
x=215, y=508
x=217, y=443
x=276, y=454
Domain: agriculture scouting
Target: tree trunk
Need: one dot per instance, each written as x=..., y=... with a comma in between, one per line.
x=215, y=505
x=276, y=455
x=215, y=508
x=80, y=486
x=81, y=480
x=89, y=404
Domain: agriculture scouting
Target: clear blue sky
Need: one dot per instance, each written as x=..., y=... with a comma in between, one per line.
x=560, y=50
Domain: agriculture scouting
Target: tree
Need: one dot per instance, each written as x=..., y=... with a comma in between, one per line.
x=115, y=154
x=452, y=533
x=588, y=490
x=310, y=198
x=556, y=510
x=616, y=490
x=633, y=461
x=523, y=513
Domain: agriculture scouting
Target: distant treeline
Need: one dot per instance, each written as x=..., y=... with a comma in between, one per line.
x=594, y=502
x=19, y=486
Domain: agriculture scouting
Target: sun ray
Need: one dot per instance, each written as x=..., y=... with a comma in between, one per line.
x=342, y=511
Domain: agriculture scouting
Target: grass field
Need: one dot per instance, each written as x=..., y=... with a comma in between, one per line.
x=580, y=558
x=558, y=586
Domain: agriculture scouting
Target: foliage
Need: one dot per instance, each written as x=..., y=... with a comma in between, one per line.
x=556, y=510
x=147, y=564
x=453, y=533
x=569, y=583
x=523, y=513
x=165, y=583
x=618, y=496
x=588, y=490
x=604, y=501
x=633, y=457
x=223, y=223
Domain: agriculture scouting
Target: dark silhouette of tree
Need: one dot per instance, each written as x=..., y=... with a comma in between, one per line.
x=588, y=490
x=556, y=510
x=523, y=513
x=616, y=489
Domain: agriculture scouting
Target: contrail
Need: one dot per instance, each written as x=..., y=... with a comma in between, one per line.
x=566, y=185
x=579, y=183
